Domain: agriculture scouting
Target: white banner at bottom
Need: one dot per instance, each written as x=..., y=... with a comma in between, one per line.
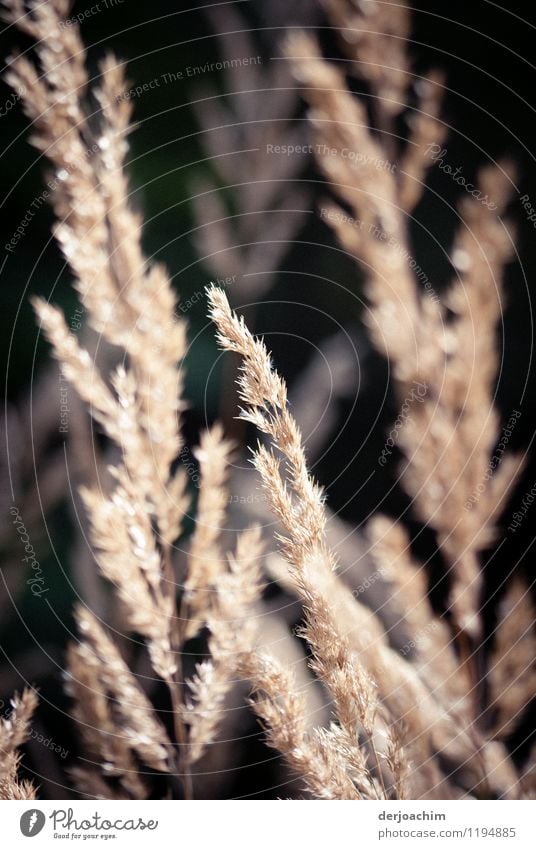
x=269, y=824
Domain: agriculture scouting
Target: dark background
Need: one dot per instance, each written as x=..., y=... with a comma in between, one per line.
x=487, y=54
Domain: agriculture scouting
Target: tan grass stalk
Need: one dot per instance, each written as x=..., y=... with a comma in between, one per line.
x=429, y=644
x=512, y=675
x=316, y=758
x=297, y=502
x=131, y=304
x=205, y=560
x=298, y=505
x=14, y=730
x=99, y=657
x=449, y=440
x=373, y=37
x=232, y=635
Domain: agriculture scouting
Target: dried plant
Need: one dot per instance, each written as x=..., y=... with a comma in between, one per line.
x=405, y=722
x=449, y=439
x=298, y=504
x=350, y=650
x=512, y=661
x=131, y=305
x=14, y=729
